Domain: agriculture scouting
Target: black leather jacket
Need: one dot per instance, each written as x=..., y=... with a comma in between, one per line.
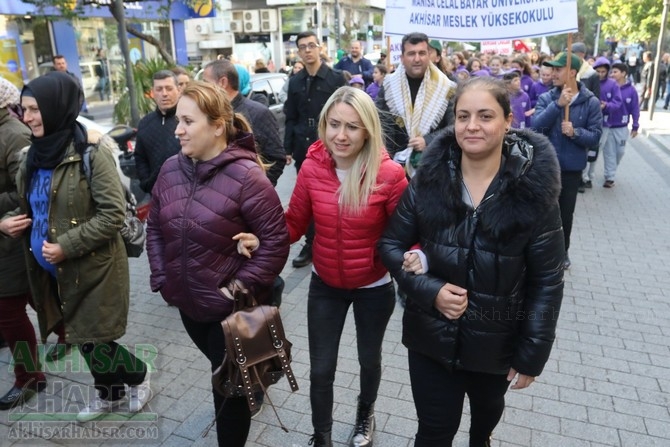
x=306, y=97
x=507, y=253
x=265, y=128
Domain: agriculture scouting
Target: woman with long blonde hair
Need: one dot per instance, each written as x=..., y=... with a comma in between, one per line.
x=349, y=185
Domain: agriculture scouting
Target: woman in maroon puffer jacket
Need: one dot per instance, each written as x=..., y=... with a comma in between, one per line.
x=212, y=190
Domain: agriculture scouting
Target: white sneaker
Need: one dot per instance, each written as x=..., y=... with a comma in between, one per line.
x=139, y=395
x=98, y=407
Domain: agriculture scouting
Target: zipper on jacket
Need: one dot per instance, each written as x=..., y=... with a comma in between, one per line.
x=183, y=230
x=340, y=255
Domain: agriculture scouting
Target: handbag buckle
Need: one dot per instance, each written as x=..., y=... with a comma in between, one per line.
x=278, y=344
x=242, y=359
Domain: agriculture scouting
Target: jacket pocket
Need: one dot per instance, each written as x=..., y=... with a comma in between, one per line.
x=431, y=335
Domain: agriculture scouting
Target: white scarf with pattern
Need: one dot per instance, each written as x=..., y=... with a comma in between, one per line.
x=430, y=104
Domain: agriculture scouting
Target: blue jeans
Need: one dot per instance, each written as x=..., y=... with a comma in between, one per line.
x=438, y=398
x=327, y=309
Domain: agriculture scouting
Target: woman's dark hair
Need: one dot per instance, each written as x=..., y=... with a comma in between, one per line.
x=523, y=63
x=493, y=85
x=471, y=61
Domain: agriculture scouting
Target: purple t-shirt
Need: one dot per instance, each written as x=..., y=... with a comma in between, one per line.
x=520, y=103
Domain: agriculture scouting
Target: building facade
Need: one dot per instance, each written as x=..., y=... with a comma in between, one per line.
x=30, y=37
x=254, y=29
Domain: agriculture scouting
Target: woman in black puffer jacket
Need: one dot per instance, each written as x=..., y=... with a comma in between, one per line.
x=484, y=209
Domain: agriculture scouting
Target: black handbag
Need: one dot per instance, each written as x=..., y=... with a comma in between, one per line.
x=257, y=352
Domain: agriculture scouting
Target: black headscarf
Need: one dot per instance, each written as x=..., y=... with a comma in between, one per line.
x=59, y=98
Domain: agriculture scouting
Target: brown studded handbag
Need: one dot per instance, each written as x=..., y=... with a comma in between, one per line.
x=257, y=352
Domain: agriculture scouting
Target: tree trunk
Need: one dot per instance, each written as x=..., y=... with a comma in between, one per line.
x=150, y=39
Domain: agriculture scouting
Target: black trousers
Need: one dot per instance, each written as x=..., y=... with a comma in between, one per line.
x=112, y=366
x=567, y=201
x=233, y=417
x=327, y=309
x=438, y=397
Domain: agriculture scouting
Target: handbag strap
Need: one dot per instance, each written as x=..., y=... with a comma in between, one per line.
x=241, y=360
x=278, y=344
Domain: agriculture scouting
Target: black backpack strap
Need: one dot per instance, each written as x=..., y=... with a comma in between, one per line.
x=86, y=163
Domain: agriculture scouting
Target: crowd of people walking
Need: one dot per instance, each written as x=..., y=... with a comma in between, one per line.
x=451, y=180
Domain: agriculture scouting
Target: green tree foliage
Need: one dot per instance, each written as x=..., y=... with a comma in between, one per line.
x=143, y=72
x=587, y=17
x=634, y=20
x=70, y=9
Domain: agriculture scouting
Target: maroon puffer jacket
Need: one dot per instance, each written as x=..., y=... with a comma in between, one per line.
x=196, y=210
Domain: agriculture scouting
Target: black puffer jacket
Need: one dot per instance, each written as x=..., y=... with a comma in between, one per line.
x=265, y=128
x=507, y=253
x=154, y=144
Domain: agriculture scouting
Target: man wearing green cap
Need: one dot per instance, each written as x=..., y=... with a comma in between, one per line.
x=572, y=137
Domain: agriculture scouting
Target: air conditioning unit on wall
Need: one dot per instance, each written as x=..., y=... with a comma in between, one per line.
x=202, y=28
x=268, y=20
x=236, y=26
x=251, y=21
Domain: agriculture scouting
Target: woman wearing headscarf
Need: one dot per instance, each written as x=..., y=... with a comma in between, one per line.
x=15, y=326
x=245, y=87
x=77, y=262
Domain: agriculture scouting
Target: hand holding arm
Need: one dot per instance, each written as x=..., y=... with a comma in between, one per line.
x=414, y=261
x=246, y=243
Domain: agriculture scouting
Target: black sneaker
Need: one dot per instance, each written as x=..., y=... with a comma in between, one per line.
x=304, y=258
x=17, y=396
x=566, y=262
x=588, y=184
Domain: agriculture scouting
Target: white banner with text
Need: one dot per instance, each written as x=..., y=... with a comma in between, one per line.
x=478, y=20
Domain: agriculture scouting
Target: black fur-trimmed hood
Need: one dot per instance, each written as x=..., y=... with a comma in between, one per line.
x=526, y=186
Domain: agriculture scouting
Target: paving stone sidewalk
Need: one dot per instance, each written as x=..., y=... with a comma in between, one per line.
x=607, y=382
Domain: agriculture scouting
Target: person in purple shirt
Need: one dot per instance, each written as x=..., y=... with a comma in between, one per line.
x=541, y=86
x=495, y=67
x=619, y=120
x=378, y=75
x=611, y=106
x=519, y=100
x=523, y=67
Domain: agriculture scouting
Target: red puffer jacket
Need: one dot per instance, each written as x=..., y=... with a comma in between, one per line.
x=344, y=250
x=196, y=210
